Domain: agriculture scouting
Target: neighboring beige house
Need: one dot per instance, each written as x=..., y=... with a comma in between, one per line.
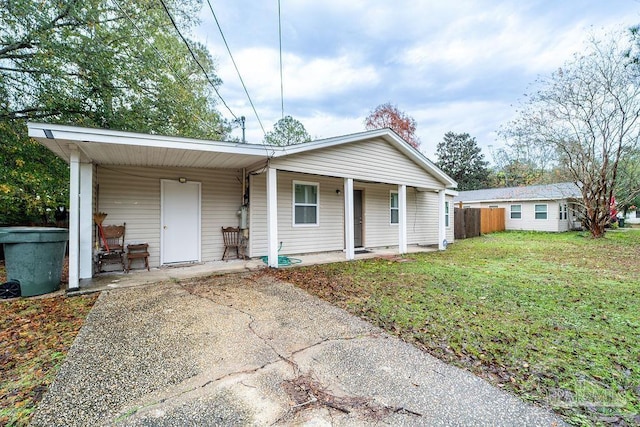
x=365, y=190
x=550, y=207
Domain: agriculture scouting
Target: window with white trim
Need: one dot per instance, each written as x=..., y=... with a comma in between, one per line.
x=394, y=208
x=516, y=212
x=541, y=211
x=563, y=211
x=305, y=203
x=446, y=214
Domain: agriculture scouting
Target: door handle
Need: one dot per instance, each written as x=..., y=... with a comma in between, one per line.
x=165, y=227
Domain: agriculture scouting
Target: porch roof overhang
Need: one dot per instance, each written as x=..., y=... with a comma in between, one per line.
x=109, y=147
x=119, y=148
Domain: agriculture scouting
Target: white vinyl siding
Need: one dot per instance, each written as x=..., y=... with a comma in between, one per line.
x=540, y=211
x=374, y=161
x=132, y=195
x=394, y=209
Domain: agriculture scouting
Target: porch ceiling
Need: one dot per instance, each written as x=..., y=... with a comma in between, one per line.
x=130, y=149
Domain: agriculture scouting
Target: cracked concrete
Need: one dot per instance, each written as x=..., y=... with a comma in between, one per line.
x=231, y=350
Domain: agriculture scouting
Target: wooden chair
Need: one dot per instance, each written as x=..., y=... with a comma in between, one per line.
x=112, y=246
x=138, y=251
x=233, y=239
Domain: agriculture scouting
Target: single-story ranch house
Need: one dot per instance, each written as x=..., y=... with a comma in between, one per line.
x=550, y=207
x=369, y=189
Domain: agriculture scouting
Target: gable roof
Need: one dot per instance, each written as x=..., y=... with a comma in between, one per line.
x=559, y=191
x=111, y=147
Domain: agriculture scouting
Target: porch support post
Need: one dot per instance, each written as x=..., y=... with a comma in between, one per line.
x=74, y=218
x=349, y=231
x=86, y=221
x=272, y=217
x=442, y=232
x=402, y=219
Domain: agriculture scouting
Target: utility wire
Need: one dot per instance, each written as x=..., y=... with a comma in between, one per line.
x=195, y=58
x=280, y=45
x=180, y=77
x=236, y=66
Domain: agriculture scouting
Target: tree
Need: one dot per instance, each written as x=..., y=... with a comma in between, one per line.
x=388, y=116
x=96, y=63
x=588, y=115
x=627, y=190
x=287, y=131
x=459, y=157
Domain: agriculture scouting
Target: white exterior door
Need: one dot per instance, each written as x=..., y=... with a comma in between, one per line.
x=180, y=222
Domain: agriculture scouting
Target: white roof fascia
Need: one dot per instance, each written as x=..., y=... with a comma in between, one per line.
x=106, y=136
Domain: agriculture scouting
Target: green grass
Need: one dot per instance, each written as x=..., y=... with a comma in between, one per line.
x=555, y=318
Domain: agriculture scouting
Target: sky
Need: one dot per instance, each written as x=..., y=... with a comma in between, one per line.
x=460, y=66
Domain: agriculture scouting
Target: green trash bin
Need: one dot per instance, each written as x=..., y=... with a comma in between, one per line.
x=34, y=256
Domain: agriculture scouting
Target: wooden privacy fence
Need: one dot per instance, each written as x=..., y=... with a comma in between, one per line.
x=471, y=222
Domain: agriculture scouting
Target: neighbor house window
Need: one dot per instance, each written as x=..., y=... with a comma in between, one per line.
x=563, y=211
x=516, y=211
x=541, y=211
x=305, y=203
x=446, y=214
x=394, y=208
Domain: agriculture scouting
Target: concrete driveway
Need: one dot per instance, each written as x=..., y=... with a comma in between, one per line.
x=249, y=350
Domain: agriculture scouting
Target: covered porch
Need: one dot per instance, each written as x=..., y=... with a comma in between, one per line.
x=216, y=184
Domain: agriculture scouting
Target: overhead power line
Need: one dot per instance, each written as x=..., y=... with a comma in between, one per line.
x=159, y=54
x=224, y=39
x=195, y=58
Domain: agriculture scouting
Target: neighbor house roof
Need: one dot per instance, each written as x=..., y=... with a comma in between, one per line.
x=111, y=147
x=559, y=191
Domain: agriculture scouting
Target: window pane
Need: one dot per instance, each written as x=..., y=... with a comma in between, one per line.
x=306, y=215
x=395, y=219
x=394, y=200
x=516, y=211
x=306, y=193
x=541, y=211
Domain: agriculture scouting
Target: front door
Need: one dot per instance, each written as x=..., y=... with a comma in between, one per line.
x=357, y=218
x=180, y=219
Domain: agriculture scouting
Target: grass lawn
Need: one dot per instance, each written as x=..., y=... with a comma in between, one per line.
x=555, y=318
x=34, y=339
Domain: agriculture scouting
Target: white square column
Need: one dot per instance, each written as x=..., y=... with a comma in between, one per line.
x=402, y=219
x=272, y=217
x=85, y=236
x=74, y=218
x=349, y=230
x=442, y=231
